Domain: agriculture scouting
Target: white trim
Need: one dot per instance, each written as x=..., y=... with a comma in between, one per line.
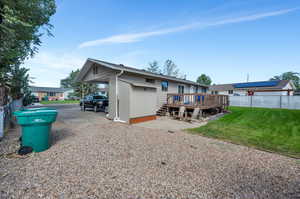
x=117, y=117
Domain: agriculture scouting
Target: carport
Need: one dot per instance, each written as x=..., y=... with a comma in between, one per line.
x=130, y=101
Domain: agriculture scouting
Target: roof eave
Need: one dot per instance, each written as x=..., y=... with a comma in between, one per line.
x=146, y=73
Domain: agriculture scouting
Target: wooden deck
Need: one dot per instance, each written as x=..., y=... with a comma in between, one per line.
x=197, y=100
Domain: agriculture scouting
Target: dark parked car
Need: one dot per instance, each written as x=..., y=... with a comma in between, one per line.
x=35, y=100
x=96, y=102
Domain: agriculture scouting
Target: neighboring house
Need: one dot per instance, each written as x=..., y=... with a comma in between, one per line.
x=103, y=91
x=297, y=92
x=50, y=92
x=68, y=93
x=134, y=95
x=274, y=87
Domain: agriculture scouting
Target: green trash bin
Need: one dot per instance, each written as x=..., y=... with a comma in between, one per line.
x=36, y=128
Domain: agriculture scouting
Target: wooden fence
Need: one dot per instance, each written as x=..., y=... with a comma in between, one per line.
x=3, y=96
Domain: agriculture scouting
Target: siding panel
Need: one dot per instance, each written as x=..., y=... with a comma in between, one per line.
x=161, y=96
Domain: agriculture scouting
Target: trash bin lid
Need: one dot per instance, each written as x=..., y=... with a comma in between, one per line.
x=35, y=113
x=37, y=108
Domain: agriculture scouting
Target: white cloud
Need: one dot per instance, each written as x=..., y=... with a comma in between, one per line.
x=56, y=61
x=135, y=37
x=49, y=68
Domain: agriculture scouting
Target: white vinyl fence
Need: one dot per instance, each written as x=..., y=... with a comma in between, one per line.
x=286, y=102
x=6, y=112
x=5, y=117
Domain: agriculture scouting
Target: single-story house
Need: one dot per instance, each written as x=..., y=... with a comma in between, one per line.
x=50, y=92
x=273, y=87
x=134, y=95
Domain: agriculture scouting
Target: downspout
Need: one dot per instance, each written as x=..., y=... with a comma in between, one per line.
x=117, y=117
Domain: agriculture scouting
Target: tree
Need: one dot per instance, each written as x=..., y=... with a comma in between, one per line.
x=170, y=68
x=69, y=82
x=21, y=22
x=19, y=82
x=83, y=89
x=154, y=67
x=293, y=76
x=204, y=79
x=80, y=89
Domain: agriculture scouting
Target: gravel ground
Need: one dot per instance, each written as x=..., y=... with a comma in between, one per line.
x=91, y=157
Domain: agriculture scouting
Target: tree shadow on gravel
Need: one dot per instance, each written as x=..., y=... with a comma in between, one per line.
x=253, y=183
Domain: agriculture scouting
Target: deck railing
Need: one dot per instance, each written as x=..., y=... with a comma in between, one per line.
x=201, y=100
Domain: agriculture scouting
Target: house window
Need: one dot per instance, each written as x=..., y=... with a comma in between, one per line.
x=192, y=89
x=230, y=92
x=203, y=90
x=215, y=92
x=95, y=69
x=180, y=89
x=152, y=81
x=164, y=85
x=51, y=94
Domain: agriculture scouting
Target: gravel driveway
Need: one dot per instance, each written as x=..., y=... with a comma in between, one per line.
x=91, y=157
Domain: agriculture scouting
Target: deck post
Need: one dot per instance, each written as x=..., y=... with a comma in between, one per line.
x=200, y=114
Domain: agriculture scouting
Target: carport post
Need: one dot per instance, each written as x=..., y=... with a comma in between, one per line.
x=82, y=92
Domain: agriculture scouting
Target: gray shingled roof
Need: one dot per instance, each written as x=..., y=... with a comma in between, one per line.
x=135, y=70
x=226, y=87
x=48, y=89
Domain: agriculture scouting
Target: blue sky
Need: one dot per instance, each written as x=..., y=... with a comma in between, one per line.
x=225, y=39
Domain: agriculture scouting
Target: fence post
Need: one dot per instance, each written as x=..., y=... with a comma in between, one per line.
x=2, y=121
x=251, y=100
x=280, y=101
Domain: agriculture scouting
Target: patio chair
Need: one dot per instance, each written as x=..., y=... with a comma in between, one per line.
x=181, y=113
x=194, y=116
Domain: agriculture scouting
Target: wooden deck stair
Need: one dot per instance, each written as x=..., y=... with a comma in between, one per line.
x=163, y=110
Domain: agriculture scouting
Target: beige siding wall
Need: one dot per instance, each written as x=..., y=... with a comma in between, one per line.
x=124, y=100
x=112, y=98
x=161, y=96
x=103, y=74
x=142, y=102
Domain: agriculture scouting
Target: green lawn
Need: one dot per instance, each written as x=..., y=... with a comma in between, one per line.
x=61, y=102
x=276, y=130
